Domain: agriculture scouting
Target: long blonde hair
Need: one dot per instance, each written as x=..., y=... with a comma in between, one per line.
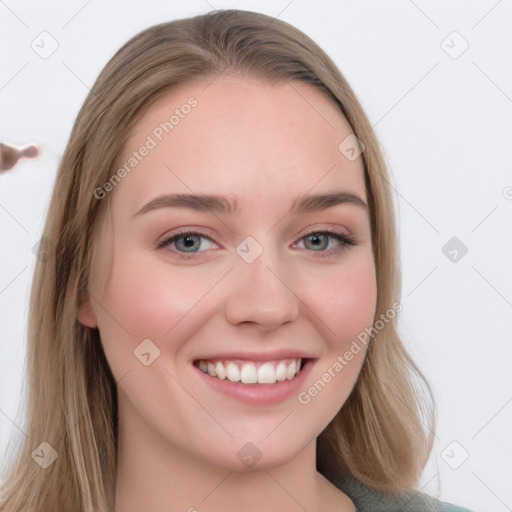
x=383, y=433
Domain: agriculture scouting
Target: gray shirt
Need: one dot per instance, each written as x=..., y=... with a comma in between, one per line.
x=367, y=499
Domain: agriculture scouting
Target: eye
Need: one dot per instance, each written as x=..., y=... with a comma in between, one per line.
x=325, y=242
x=187, y=242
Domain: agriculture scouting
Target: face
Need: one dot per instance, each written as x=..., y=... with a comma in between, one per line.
x=268, y=277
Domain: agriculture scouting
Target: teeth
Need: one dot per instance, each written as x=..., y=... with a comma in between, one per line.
x=280, y=371
x=291, y=370
x=220, y=372
x=233, y=373
x=266, y=374
x=249, y=372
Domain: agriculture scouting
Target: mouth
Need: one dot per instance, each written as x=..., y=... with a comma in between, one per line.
x=246, y=372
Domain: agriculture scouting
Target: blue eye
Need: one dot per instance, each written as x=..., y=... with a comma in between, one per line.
x=187, y=242
x=319, y=241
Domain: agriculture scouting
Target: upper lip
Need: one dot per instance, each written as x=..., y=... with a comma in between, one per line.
x=257, y=356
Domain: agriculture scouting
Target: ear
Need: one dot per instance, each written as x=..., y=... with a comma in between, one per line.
x=85, y=313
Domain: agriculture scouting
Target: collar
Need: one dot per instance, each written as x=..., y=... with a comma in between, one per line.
x=367, y=499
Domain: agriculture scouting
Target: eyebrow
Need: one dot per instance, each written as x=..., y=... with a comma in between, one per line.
x=221, y=204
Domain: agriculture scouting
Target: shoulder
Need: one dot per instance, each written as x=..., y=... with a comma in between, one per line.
x=367, y=499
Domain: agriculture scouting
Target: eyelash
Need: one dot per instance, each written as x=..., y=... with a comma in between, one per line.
x=346, y=241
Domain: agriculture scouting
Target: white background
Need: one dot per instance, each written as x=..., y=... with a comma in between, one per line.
x=445, y=125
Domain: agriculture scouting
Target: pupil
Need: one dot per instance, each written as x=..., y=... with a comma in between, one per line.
x=317, y=242
x=188, y=242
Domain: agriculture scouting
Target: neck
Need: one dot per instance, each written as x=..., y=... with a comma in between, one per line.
x=153, y=474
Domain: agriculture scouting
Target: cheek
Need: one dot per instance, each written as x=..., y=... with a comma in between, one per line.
x=346, y=307
x=346, y=300
x=146, y=299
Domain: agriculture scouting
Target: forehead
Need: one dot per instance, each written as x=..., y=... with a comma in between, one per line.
x=242, y=137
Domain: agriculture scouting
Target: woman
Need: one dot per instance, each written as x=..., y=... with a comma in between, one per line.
x=213, y=325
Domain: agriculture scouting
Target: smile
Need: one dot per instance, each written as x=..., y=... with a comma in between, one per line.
x=255, y=380
x=252, y=372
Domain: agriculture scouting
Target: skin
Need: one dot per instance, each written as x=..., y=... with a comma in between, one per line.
x=179, y=438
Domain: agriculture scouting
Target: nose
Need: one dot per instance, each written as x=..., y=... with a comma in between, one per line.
x=260, y=294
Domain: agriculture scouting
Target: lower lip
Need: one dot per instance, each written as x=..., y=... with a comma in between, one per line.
x=259, y=394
